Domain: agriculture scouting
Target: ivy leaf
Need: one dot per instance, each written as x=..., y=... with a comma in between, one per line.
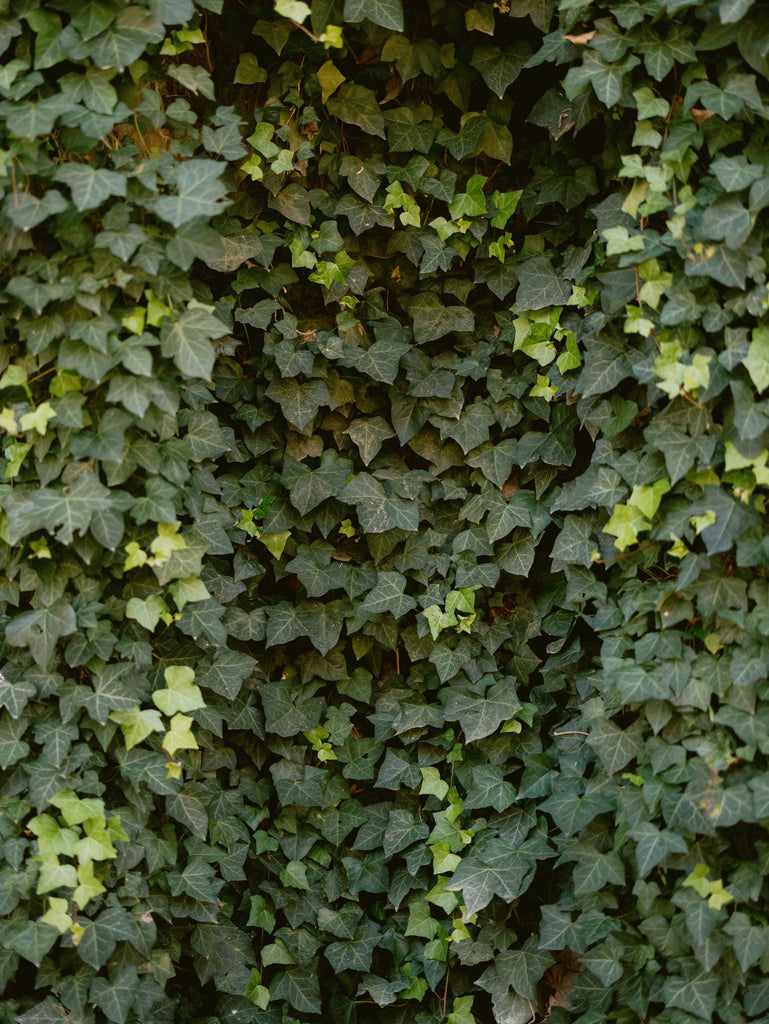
x=57, y=915
x=595, y=870
x=124, y=40
x=15, y=695
x=200, y=192
x=523, y=968
x=539, y=285
x=574, y=543
x=481, y=716
x=323, y=623
x=572, y=813
x=34, y=941
x=500, y=68
x=679, y=451
x=283, y=624
x=495, y=460
x=147, y=612
x=377, y=510
x=226, y=673
x=448, y=661
x=88, y=887
x=604, y=369
x=299, y=987
x=137, y=725
x=401, y=832
x=369, y=436
x=727, y=219
x=735, y=172
x=387, y=13
x=69, y=509
x=115, y=996
x=732, y=518
x=310, y=487
x=517, y=557
x=355, y=104
x=432, y=320
x=188, y=341
x=92, y=18
x=695, y=993
x=101, y=936
x=196, y=79
x=725, y=265
x=489, y=789
x=757, y=360
x=40, y=630
x=748, y=941
x=388, y=596
x=654, y=845
x=479, y=882
x=472, y=427
x=90, y=187
x=109, y=691
x=181, y=694
x=614, y=746
x=299, y=403
x=287, y=712
x=188, y=809
x=316, y=571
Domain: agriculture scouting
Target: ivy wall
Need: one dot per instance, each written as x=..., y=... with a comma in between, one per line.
x=383, y=566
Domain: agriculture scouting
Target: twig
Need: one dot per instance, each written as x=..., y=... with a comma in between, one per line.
x=571, y=732
x=306, y=31
x=688, y=397
x=444, y=1001
x=625, y=554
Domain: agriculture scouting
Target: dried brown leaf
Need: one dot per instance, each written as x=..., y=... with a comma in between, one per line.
x=561, y=977
x=581, y=39
x=701, y=114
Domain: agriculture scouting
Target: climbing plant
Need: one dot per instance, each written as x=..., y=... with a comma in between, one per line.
x=383, y=540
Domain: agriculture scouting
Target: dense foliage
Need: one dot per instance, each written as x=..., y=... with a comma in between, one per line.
x=383, y=531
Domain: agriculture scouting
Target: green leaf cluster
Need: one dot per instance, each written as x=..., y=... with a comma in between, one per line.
x=383, y=479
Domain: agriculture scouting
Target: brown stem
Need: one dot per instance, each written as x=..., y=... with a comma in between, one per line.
x=306, y=31
x=625, y=554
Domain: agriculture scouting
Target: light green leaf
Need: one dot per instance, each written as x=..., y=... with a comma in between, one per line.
x=757, y=360
x=57, y=914
x=296, y=10
x=146, y=612
x=54, y=875
x=179, y=736
x=88, y=887
x=137, y=724
x=330, y=78
x=432, y=784
x=181, y=693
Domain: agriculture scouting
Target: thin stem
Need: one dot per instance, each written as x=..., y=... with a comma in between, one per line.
x=306, y=31
x=445, y=999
